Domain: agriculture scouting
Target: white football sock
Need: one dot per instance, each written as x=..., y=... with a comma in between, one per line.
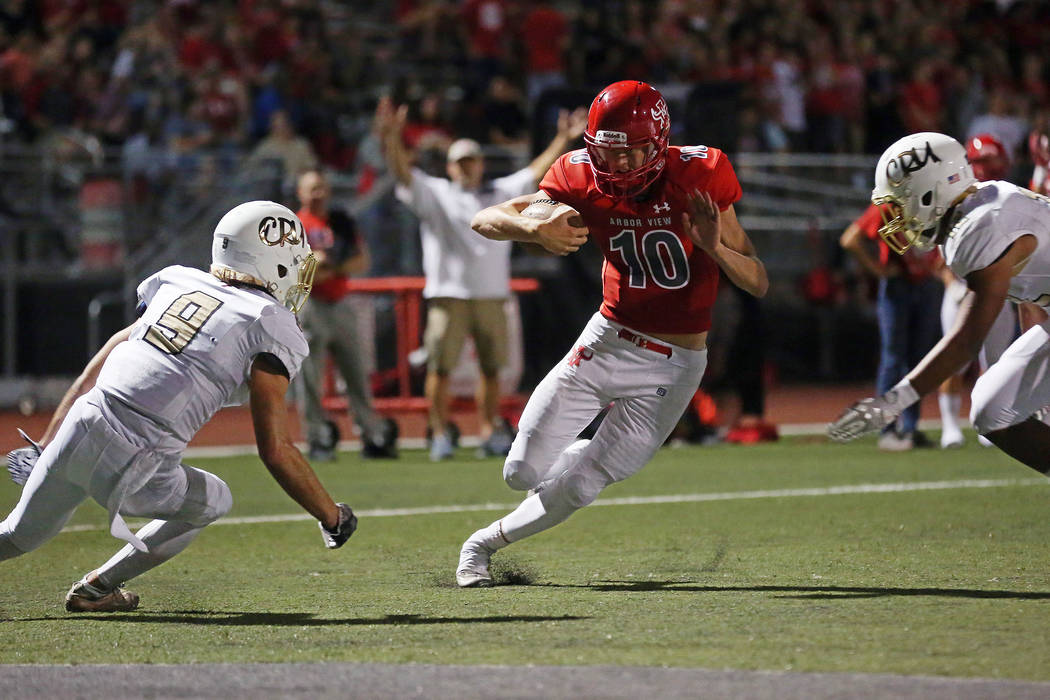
x=532, y=516
x=950, y=405
x=164, y=538
x=529, y=518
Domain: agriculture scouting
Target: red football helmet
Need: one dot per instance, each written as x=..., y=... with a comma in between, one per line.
x=625, y=116
x=988, y=157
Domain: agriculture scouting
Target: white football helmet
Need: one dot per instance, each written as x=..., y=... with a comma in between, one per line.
x=264, y=244
x=916, y=181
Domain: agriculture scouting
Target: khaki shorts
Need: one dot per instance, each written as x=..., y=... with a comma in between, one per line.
x=450, y=321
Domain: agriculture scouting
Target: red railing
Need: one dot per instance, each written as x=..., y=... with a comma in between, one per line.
x=408, y=305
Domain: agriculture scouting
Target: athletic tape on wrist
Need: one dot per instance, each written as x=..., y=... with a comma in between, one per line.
x=902, y=395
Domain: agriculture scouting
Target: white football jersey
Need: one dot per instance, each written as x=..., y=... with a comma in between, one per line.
x=192, y=350
x=989, y=221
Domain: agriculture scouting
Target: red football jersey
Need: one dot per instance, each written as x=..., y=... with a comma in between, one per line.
x=654, y=279
x=915, y=264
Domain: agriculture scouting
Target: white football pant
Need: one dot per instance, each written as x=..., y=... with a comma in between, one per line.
x=648, y=393
x=92, y=455
x=1017, y=386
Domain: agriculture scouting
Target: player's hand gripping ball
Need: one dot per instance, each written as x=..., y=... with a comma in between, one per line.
x=561, y=230
x=547, y=208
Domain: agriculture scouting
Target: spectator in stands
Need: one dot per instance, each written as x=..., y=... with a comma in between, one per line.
x=467, y=277
x=292, y=153
x=224, y=98
x=424, y=27
x=545, y=36
x=426, y=131
x=882, y=116
x=921, y=101
x=331, y=326
x=758, y=130
x=909, y=297
x=503, y=114
x=787, y=92
x=487, y=29
x=187, y=133
x=825, y=102
x=1003, y=119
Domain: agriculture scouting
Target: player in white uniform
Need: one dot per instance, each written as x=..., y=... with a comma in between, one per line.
x=990, y=161
x=203, y=341
x=996, y=236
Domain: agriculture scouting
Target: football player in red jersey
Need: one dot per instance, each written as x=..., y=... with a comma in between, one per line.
x=663, y=217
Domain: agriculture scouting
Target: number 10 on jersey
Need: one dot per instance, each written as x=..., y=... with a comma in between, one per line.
x=655, y=257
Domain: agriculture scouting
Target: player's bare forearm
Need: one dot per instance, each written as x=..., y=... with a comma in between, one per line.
x=950, y=355
x=269, y=384
x=295, y=476
x=560, y=232
x=745, y=271
x=719, y=234
x=977, y=313
x=83, y=383
x=503, y=222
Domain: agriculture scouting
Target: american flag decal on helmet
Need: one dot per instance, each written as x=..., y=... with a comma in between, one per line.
x=953, y=178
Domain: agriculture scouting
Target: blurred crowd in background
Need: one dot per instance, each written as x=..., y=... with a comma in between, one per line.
x=180, y=98
x=182, y=76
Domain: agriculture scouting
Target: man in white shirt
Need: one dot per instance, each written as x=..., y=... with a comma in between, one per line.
x=467, y=276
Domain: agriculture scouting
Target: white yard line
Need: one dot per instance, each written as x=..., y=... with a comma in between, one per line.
x=785, y=429
x=648, y=500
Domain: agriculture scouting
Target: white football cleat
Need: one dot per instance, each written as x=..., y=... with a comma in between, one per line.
x=83, y=597
x=473, y=570
x=441, y=448
x=952, y=438
x=892, y=442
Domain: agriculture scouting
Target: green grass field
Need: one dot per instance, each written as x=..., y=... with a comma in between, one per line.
x=936, y=581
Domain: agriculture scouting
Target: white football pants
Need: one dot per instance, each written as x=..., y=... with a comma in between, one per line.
x=91, y=456
x=648, y=392
x=1016, y=387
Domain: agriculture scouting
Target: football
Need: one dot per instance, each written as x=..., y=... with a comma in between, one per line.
x=546, y=208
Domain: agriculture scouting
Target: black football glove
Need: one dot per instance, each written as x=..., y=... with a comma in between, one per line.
x=334, y=539
x=20, y=462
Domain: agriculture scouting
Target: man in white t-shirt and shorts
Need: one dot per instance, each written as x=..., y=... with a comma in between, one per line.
x=467, y=277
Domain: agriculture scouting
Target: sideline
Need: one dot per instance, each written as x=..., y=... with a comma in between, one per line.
x=785, y=430
x=644, y=500
x=372, y=680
